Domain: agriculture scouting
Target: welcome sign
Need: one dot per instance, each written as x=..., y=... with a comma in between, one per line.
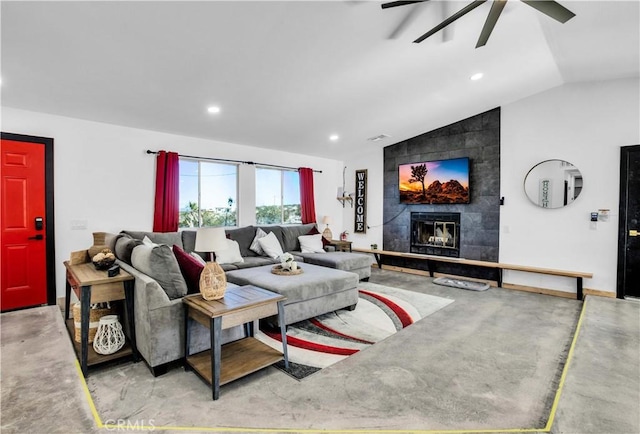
x=360, y=224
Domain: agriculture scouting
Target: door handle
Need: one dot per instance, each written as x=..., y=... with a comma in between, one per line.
x=633, y=233
x=37, y=237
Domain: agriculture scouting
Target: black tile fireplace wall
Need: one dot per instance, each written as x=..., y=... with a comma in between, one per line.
x=478, y=138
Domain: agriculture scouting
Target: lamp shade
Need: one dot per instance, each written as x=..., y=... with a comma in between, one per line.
x=326, y=220
x=210, y=240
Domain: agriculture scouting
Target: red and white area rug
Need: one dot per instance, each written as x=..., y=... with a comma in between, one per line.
x=324, y=340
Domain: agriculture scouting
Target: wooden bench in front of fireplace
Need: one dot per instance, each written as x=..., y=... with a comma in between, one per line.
x=497, y=266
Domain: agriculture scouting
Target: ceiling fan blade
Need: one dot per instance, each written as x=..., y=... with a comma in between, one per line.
x=451, y=19
x=404, y=23
x=496, y=9
x=400, y=3
x=551, y=8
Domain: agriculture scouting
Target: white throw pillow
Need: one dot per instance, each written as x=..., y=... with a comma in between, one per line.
x=271, y=245
x=147, y=242
x=198, y=258
x=255, y=245
x=230, y=255
x=311, y=243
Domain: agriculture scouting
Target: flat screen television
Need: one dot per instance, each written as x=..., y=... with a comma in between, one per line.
x=434, y=182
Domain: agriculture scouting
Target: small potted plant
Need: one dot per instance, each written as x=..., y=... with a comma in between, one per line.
x=374, y=246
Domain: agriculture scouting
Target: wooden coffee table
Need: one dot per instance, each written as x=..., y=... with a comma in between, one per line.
x=240, y=305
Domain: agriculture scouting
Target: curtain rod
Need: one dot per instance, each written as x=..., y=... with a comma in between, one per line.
x=234, y=161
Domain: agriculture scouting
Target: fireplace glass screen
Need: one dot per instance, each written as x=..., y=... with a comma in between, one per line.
x=435, y=233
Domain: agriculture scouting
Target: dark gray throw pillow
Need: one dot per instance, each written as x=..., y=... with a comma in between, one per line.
x=244, y=236
x=124, y=247
x=159, y=263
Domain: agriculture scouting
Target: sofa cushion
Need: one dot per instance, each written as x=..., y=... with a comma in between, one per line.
x=271, y=246
x=346, y=261
x=160, y=264
x=168, y=238
x=311, y=243
x=256, y=261
x=124, y=246
x=190, y=269
x=290, y=236
x=230, y=255
x=244, y=236
x=189, y=240
x=229, y=267
x=255, y=245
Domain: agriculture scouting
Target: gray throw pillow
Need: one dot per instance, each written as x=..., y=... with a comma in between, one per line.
x=124, y=247
x=244, y=236
x=160, y=264
x=168, y=238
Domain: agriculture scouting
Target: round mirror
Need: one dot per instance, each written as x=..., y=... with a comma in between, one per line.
x=553, y=183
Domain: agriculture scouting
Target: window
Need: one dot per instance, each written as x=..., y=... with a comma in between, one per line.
x=208, y=194
x=277, y=196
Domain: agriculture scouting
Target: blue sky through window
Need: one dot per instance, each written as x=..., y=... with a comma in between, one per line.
x=219, y=182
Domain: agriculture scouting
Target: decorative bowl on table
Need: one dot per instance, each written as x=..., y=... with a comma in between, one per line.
x=104, y=260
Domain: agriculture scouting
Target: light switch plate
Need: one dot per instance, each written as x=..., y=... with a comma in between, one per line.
x=77, y=225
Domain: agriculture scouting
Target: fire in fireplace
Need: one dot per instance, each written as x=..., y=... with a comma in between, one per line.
x=435, y=233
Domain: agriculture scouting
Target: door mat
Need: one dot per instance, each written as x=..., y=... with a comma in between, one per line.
x=326, y=339
x=461, y=283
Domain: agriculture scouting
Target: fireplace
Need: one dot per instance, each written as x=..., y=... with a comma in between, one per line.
x=435, y=233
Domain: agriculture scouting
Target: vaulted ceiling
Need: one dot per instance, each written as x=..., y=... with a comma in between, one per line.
x=286, y=75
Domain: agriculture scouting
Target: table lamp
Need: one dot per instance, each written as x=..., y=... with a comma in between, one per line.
x=213, y=281
x=327, y=232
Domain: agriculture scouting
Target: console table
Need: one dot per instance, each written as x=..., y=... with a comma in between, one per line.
x=497, y=266
x=240, y=305
x=94, y=286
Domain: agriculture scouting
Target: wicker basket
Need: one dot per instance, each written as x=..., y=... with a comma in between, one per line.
x=213, y=281
x=277, y=269
x=94, y=320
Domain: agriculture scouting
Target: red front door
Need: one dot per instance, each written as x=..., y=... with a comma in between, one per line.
x=23, y=254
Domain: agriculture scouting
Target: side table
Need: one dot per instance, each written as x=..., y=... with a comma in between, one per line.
x=94, y=286
x=342, y=246
x=240, y=305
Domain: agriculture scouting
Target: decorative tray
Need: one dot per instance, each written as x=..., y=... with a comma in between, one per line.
x=277, y=269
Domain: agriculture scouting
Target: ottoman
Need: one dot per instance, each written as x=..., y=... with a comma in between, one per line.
x=317, y=290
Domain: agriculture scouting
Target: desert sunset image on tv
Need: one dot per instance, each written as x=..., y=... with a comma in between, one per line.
x=434, y=182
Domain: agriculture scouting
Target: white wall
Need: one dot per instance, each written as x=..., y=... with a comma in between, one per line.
x=373, y=161
x=104, y=177
x=585, y=124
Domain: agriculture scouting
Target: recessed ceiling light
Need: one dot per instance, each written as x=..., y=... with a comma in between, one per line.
x=476, y=76
x=213, y=109
x=334, y=137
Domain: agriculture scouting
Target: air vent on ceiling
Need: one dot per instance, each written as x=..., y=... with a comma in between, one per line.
x=378, y=138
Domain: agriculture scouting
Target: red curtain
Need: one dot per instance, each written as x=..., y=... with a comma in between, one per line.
x=307, y=203
x=165, y=216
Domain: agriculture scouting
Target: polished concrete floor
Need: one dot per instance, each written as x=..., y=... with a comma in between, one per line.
x=491, y=361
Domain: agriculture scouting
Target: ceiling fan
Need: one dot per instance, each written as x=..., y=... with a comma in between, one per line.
x=550, y=8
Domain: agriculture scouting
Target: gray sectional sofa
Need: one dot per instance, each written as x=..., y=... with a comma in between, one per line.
x=159, y=311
